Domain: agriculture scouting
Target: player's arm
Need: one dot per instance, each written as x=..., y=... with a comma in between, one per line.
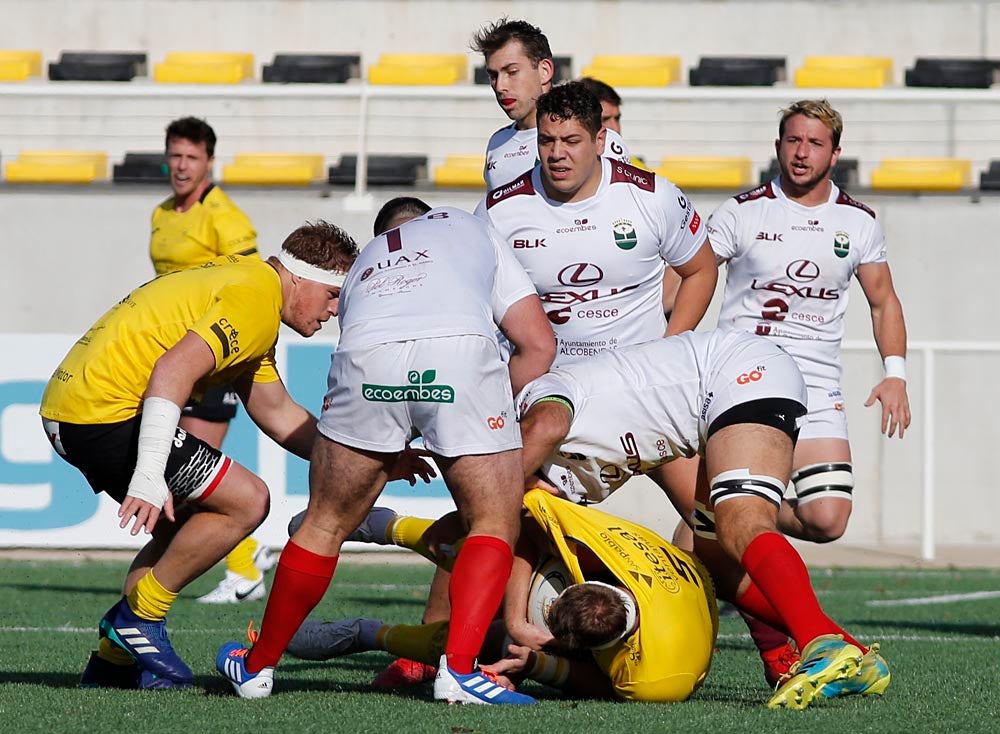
x=515, y=601
x=528, y=329
x=543, y=428
x=581, y=677
x=698, y=277
x=235, y=233
x=889, y=329
x=282, y=419
x=170, y=385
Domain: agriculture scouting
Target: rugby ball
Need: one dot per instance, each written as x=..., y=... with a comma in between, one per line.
x=547, y=582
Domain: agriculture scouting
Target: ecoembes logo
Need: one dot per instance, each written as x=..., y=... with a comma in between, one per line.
x=420, y=390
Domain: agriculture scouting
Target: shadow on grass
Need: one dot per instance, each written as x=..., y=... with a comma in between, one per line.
x=969, y=629
x=108, y=591
x=51, y=679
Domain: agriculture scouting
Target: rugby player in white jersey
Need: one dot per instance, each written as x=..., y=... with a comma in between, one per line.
x=792, y=246
x=595, y=235
x=519, y=63
x=417, y=356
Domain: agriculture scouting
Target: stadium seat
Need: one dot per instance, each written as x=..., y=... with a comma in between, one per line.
x=312, y=68
x=98, y=66
x=204, y=68
x=425, y=69
x=737, y=71
x=922, y=174
x=383, y=170
x=461, y=170
x=563, y=72
x=274, y=169
x=635, y=71
x=144, y=167
x=956, y=73
x=844, y=174
x=707, y=173
x=844, y=71
x=57, y=166
x=16, y=66
x=989, y=180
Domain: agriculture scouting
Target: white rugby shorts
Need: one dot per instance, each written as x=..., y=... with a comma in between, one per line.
x=453, y=391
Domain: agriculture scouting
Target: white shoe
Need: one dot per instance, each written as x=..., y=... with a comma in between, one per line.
x=231, y=663
x=264, y=559
x=235, y=588
x=324, y=640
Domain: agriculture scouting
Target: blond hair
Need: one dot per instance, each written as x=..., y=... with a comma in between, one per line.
x=817, y=109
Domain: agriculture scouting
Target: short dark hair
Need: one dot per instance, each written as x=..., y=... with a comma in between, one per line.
x=493, y=37
x=603, y=92
x=571, y=101
x=194, y=129
x=402, y=207
x=585, y=616
x=322, y=244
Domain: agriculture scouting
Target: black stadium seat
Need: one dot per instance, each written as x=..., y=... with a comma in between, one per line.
x=966, y=73
x=383, y=170
x=990, y=179
x=737, y=71
x=563, y=64
x=142, y=168
x=844, y=174
x=312, y=68
x=98, y=66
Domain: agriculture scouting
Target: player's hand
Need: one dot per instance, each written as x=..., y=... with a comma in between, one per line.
x=891, y=392
x=412, y=463
x=536, y=482
x=442, y=535
x=512, y=669
x=522, y=632
x=147, y=496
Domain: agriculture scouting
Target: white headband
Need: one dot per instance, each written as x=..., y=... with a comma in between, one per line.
x=630, y=614
x=310, y=272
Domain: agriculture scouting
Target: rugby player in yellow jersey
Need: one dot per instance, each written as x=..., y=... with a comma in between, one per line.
x=644, y=609
x=113, y=406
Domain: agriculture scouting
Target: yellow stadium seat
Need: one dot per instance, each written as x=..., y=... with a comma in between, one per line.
x=204, y=68
x=58, y=166
x=707, y=172
x=289, y=169
x=922, y=174
x=635, y=71
x=461, y=170
x=430, y=69
x=844, y=71
x=16, y=66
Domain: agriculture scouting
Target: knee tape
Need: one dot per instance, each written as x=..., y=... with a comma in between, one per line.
x=815, y=481
x=741, y=483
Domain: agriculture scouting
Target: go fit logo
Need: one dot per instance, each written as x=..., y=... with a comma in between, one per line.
x=751, y=376
x=420, y=390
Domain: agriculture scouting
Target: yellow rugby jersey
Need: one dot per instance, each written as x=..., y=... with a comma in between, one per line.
x=669, y=654
x=213, y=226
x=232, y=302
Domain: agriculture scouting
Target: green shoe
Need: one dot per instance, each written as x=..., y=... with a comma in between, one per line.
x=872, y=678
x=825, y=660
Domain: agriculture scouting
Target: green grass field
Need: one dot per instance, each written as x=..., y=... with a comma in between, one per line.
x=942, y=657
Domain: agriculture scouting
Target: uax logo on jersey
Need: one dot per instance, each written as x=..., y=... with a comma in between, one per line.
x=753, y=375
x=624, y=232
x=420, y=390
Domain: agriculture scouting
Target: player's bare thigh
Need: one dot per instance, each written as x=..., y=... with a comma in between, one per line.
x=487, y=489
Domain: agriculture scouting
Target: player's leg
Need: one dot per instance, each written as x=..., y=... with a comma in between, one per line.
x=823, y=483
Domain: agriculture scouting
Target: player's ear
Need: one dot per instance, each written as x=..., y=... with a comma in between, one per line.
x=547, y=70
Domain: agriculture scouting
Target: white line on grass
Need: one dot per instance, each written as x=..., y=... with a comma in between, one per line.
x=941, y=599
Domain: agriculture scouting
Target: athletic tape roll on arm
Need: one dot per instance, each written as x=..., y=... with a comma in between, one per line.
x=156, y=435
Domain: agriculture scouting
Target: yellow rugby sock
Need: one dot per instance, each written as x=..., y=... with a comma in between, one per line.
x=107, y=650
x=421, y=642
x=240, y=559
x=149, y=599
x=408, y=532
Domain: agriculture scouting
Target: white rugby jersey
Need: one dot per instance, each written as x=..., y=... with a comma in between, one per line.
x=511, y=152
x=790, y=268
x=645, y=405
x=446, y=273
x=598, y=264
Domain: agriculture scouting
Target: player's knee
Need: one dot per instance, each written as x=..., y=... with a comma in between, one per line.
x=254, y=504
x=738, y=521
x=825, y=498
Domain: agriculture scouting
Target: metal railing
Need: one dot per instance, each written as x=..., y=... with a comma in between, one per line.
x=928, y=351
